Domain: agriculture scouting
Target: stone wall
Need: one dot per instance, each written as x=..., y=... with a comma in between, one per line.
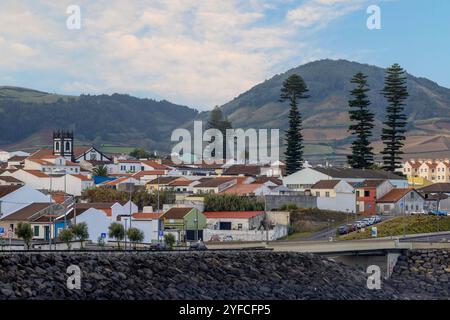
x=423, y=274
x=188, y=275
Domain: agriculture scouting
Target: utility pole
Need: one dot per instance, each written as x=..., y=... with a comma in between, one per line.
x=130, y=206
x=157, y=187
x=266, y=218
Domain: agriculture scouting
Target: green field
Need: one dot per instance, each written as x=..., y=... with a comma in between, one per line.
x=404, y=225
x=28, y=95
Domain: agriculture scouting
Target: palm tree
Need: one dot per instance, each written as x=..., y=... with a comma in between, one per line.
x=100, y=171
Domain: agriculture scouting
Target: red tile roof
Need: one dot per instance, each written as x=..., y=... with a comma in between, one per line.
x=394, y=195
x=155, y=165
x=325, y=184
x=232, y=214
x=176, y=213
x=81, y=177
x=214, y=182
x=147, y=215
x=242, y=189
x=37, y=173
x=140, y=174
x=43, y=154
x=5, y=190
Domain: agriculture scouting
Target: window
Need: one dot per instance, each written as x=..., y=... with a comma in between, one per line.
x=317, y=194
x=357, y=193
x=366, y=193
x=67, y=146
x=239, y=226
x=57, y=146
x=36, y=231
x=406, y=208
x=327, y=194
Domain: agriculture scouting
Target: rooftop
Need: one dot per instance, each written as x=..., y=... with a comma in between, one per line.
x=176, y=213
x=394, y=195
x=325, y=184
x=233, y=214
x=343, y=173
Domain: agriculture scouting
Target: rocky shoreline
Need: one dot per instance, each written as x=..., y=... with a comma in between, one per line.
x=193, y=275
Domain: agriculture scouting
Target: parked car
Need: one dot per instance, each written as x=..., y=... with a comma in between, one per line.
x=158, y=246
x=360, y=224
x=343, y=230
x=200, y=246
x=439, y=213
x=352, y=227
x=377, y=219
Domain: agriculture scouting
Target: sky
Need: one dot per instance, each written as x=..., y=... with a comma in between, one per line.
x=203, y=53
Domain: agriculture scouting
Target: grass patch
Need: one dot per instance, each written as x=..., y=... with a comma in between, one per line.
x=314, y=220
x=409, y=225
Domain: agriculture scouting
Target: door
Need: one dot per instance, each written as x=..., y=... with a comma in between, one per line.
x=47, y=233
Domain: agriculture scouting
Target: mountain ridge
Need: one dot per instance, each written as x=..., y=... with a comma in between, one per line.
x=324, y=113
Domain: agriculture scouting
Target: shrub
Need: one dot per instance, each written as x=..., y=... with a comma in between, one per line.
x=24, y=231
x=169, y=240
x=116, y=231
x=66, y=236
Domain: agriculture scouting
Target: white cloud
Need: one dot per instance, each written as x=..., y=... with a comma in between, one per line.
x=198, y=53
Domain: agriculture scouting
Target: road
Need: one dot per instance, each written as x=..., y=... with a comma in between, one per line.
x=325, y=234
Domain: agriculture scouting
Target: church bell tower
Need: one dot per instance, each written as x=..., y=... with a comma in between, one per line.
x=63, y=144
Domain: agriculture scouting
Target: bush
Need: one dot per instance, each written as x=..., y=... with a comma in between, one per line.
x=169, y=240
x=66, y=236
x=80, y=231
x=231, y=202
x=24, y=231
x=135, y=235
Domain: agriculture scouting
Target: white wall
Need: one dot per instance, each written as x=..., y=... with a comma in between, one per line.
x=249, y=235
x=149, y=227
x=303, y=179
x=341, y=202
x=97, y=222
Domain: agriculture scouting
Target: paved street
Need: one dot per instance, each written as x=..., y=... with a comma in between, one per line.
x=325, y=234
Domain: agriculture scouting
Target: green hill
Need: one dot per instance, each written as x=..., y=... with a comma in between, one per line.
x=104, y=119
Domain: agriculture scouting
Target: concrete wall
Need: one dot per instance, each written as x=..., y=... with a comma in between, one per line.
x=342, y=202
x=302, y=201
x=250, y=235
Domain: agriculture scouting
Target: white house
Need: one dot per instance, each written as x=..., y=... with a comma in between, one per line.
x=305, y=178
x=73, y=184
x=13, y=198
x=336, y=195
x=97, y=221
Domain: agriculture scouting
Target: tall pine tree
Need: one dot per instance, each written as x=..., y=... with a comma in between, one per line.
x=362, y=124
x=393, y=135
x=294, y=88
x=218, y=121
